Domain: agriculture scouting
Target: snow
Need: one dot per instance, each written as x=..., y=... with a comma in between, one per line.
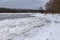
x=40, y=27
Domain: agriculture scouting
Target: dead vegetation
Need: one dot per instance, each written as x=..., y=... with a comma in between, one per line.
x=53, y=6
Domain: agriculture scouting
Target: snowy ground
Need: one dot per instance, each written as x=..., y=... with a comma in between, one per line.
x=32, y=27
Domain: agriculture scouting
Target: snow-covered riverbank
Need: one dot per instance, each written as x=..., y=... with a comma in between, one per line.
x=38, y=27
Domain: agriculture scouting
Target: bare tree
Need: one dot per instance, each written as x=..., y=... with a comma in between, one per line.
x=40, y=8
x=48, y=6
x=53, y=6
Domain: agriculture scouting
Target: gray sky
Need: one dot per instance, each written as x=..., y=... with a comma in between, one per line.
x=28, y=4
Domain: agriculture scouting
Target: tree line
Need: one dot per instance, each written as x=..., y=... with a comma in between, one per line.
x=9, y=10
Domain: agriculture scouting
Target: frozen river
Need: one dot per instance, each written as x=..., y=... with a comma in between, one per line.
x=14, y=15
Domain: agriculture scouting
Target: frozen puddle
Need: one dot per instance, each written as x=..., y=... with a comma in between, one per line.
x=24, y=29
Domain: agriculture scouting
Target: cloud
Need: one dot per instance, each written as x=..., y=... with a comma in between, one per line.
x=29, y=4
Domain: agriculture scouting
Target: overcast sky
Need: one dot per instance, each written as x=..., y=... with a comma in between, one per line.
x=31, y=4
